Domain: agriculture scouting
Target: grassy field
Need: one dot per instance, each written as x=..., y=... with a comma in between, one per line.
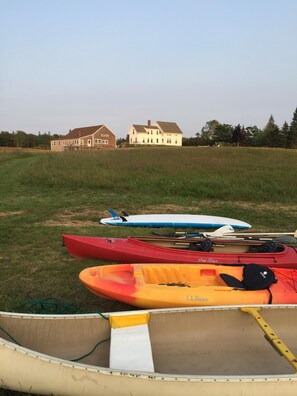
x=43, y=195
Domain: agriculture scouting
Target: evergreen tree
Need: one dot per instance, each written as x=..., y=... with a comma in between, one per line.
x=271, y=134
x=284, y=133
x=238, y=135
x=292, y=135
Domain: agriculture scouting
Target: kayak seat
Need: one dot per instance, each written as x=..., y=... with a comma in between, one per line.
x=203, y=246
x=266, y=247
x=255, y=277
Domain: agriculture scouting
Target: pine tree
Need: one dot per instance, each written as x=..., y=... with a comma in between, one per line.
x=292, y=135
x=271, y=133
x=284, y=133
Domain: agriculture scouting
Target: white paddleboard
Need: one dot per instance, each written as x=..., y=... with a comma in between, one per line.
x=173, y=220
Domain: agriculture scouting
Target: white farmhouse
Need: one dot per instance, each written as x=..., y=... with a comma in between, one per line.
x=160, y=134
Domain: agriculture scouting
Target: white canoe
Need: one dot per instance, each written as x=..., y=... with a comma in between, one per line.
x=173, y=220
x=212, y=351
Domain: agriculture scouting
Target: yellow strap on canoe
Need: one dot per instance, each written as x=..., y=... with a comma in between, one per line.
x=118, y=321
x=271, y=336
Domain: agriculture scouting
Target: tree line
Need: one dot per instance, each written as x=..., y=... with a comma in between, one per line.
x=26, y=140
x=215, y=133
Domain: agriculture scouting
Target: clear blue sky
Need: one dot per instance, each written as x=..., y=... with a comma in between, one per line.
x=72, y=63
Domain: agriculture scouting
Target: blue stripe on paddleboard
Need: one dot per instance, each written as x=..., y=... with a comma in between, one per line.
x=174, y=225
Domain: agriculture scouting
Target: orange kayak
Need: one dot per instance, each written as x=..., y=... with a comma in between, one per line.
x=185, y=285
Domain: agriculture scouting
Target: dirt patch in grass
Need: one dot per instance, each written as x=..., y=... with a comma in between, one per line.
x=74, y=218
x=7, y=214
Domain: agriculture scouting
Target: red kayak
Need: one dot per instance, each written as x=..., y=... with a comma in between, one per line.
x=176, y=250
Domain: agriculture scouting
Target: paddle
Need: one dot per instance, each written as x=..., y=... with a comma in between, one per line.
x=220, y=232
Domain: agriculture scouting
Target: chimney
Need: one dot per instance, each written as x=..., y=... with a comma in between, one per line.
x=148, y=123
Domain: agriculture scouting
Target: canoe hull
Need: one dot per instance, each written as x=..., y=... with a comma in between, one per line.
x=25, y=370
x=133, y=250
x=34, y=375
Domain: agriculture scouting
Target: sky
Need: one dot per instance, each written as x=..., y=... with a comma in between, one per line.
x=66, y=64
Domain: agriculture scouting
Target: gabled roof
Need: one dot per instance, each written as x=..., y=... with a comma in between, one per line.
x=143, y=128
x=81, y=132
x=168, y=127
x=139, y=128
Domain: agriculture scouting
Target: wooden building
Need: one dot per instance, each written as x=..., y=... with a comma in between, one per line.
x=91, y=137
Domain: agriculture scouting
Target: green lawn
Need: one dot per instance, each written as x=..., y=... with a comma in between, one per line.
x=43, y=195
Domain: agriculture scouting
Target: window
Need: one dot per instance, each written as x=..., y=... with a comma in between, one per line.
x=157, y=140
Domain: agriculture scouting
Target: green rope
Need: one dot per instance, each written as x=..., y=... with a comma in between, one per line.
x=50, y=305
x=11, y=337
x=97, y=313
x=53, y=305
x=89, y=353
x=71, y=360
